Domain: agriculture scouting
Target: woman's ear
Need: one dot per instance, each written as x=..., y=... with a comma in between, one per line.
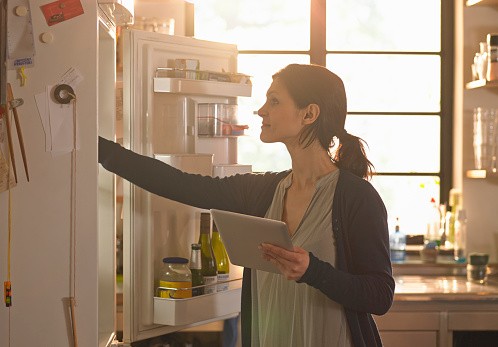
x=311, y=113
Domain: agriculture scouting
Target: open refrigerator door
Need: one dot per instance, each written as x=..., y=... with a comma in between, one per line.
x=179, y=106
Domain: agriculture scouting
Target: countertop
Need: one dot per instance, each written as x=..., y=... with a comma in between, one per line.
x=443, y=288
x=442, y=281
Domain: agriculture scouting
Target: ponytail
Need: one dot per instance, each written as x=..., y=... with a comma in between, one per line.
x=351, y=156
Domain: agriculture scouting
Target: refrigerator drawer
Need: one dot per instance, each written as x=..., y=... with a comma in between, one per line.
x=197, y=309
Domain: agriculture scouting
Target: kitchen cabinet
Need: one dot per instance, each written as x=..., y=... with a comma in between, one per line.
x=427, y=310
x=409, y=329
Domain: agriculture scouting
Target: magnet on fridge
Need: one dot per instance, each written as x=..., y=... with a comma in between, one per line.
x=64, y=93
x=47, y=37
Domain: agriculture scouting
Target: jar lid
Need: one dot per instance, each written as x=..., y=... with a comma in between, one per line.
x=175, y=260
x=478, y=258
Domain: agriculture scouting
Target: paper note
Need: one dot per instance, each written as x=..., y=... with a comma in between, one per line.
x=57, y=121
x=5, y=176
x=60, y=11
x=71, y=77
x=42, y=105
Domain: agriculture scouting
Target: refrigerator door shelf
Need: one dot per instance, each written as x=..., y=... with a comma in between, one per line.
x=198, y=309
x=200, y=87
x=225, y=170
x=198, y=163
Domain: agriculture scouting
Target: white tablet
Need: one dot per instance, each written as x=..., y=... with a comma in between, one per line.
x=242, y=234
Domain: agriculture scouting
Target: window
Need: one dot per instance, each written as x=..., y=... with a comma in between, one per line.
x=395, y=57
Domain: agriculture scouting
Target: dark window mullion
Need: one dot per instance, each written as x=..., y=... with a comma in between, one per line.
x=318, y=17
x=447, y=80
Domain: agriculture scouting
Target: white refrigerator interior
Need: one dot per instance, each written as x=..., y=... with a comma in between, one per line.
x=161, y=119
x=61, y=242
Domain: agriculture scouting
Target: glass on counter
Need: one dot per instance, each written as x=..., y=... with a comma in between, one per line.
x=477, y=268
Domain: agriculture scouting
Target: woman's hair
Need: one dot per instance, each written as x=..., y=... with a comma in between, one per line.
x=314, y=84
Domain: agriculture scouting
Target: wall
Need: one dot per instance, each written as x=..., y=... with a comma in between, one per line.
x=480, y=195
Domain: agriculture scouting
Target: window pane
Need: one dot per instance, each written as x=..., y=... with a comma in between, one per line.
x=399, y=143
x=255, y=24
x=408, y=198
x=389, y=83
x=384, y=25
x=263, y=156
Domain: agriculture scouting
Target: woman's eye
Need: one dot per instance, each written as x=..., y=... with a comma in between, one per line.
x=273, y=101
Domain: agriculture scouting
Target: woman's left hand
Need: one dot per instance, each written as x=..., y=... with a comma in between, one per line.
x=292, y=264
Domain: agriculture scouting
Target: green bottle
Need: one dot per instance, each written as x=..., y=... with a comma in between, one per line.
x=208, y=262
x=222, y=261
x=195, y=269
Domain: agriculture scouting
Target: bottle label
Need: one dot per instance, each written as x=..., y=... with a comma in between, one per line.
x=175, y=294
x=222, y=282
x=209, y=289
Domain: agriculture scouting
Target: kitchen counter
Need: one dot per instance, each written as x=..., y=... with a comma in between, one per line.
x=443, y=288
x=434, y=304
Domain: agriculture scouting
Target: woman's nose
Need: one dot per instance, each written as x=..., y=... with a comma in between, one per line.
x=261, y=111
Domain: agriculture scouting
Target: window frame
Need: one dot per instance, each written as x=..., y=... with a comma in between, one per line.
x=318, y=53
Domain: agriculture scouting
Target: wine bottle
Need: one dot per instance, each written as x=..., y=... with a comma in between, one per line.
x=222, y=261
x=195, y=269
x=208, y=262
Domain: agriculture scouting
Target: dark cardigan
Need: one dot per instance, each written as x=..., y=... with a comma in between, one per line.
x=362, y=279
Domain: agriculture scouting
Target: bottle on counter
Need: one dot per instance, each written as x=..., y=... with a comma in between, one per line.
x=175, y=276
x=222, y=261
x=397, y=244
x=459, y=246
x=196, y=269
x=454, y=203
x=433, y=224
x=208, y=262
x=449, y=225
x=442, y=226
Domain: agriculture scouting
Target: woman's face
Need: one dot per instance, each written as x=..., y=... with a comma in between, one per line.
x=282, y=120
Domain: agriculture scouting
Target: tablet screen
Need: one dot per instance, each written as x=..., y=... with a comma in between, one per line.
x=242, y=234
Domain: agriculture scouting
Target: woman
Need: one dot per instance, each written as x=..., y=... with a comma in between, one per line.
x=339, y=272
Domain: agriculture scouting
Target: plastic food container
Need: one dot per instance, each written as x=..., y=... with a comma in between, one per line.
x=210, y=119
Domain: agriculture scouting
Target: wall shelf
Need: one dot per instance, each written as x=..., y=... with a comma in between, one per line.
x=481, y=174
x=481, y=3
x=481, y=84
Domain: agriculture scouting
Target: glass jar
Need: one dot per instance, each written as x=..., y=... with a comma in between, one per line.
x=477, y=268
x=175, y=281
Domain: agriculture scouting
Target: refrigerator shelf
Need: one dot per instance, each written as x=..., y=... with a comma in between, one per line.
x=200, y=87
x=198, y=308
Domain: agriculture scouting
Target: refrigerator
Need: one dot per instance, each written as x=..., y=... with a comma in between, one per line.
x=58, y=229
x=179, y=106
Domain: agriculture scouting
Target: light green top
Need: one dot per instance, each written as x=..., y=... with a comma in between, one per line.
x=287, y=313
